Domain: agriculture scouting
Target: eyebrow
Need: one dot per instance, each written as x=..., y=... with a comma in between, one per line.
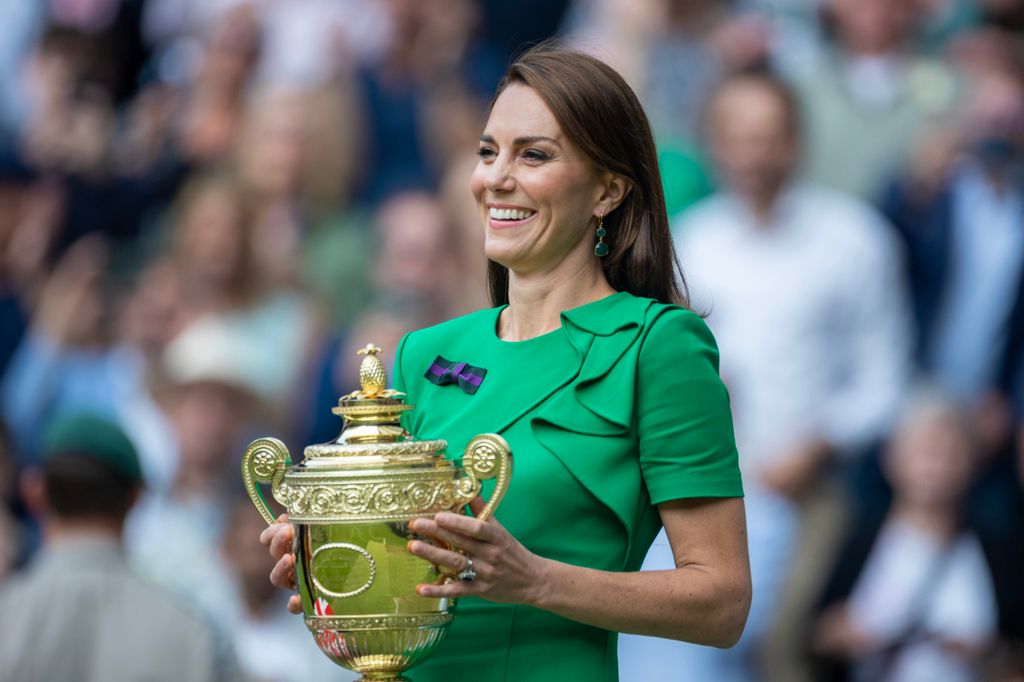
x=520, y=141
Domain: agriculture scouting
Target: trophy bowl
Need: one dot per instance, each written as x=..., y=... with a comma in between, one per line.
x=351, y=501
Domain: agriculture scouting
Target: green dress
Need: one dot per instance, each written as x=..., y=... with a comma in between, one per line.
x=616, y=411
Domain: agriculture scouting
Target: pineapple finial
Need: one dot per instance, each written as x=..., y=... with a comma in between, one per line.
x=372, y=376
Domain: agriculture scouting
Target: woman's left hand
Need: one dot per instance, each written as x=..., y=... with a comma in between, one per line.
x=505, y=570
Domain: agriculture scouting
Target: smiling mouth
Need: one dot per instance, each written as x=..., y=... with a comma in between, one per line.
x=510, y=215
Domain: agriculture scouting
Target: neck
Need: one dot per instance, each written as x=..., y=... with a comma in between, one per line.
x=59, y=531
x=938, y=523
x=537, y=300
x=762, y=205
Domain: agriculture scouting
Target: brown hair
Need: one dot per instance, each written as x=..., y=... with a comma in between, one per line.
x=601, y=115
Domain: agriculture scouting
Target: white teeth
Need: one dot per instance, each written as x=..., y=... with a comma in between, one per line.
x=510, y=213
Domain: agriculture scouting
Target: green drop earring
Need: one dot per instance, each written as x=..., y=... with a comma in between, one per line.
x=600, y=249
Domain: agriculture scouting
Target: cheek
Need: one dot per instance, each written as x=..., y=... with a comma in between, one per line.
x=476, y=182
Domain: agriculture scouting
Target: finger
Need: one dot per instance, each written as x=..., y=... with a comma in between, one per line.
x=273, y=529
x=477, y=504
x=451, y=590
x=281, y=543
x=295, y=604
x=463, y=542
x=283, y=573
x=466, y=525
x=453, y=561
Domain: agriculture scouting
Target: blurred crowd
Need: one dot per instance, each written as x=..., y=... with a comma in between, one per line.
x=206, y=207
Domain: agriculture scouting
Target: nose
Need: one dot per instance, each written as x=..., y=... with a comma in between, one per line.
x=499, y=176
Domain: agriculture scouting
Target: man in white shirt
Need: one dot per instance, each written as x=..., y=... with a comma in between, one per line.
x=803, y=291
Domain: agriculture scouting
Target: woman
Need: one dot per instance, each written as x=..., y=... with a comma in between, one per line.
x=605, y=386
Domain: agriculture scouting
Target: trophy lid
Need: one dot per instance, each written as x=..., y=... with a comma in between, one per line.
x=372, y=434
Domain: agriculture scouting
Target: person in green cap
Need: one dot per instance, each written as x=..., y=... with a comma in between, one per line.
x=78, y=613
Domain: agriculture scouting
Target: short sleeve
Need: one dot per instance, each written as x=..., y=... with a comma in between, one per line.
x=687, y=445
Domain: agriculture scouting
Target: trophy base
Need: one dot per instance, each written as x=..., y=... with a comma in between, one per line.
x=380, y=647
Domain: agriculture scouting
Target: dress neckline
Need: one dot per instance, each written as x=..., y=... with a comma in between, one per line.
x=554, y=333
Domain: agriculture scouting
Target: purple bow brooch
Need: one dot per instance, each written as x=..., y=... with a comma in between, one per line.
x=443, y=372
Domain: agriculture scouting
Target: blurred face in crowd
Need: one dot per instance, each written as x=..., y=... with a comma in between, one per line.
x=212, y=239
x=208, y=417
x=995, y=121
x=874, y=26
x=415, y=251
x=753, y=139
x=272, y=153
x=931, y=461
x=535, y=191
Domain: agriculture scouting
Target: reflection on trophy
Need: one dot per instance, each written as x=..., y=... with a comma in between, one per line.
x=351, y=501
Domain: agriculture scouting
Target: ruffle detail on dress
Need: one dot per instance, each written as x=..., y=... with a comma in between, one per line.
x=590, y=427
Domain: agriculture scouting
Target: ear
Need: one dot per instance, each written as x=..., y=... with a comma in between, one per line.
x=615, y=189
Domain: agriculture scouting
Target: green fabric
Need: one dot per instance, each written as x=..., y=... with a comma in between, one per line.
x=94, y=436
x=619, y=409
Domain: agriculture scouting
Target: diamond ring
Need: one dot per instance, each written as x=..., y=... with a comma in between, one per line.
x=467, y=574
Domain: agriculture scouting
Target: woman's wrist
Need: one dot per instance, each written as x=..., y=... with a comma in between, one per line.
x=547, y=584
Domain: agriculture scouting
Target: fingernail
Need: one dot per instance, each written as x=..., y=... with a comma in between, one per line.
x=415, y=524
x=414, y=546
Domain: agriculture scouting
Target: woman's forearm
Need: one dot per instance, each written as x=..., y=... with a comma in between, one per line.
x=689, y=603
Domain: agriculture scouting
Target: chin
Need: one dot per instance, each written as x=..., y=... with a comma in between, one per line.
x=502, y=253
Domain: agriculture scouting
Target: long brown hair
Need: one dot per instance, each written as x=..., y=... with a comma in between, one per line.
x=601, y=115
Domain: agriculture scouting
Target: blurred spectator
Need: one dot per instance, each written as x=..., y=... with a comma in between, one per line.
x=963, y=225
x=69, y=139
x=111, y=625
x=416, y=277
x=295, y=160
x=672, y=51
x=272, y=645
x=417, y=97
x=260, y=320
x=912, y=598
x=469, y=266
x=803, y=292
x=174, y=535
x=67, y=356
x=866, y=103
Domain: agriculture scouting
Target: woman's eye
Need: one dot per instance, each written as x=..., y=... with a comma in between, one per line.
x=535, y=155
x=485, y=153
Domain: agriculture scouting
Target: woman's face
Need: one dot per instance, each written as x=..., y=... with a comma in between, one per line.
x=536, y=192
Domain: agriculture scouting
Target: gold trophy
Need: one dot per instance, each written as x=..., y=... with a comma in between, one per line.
x=351, y=501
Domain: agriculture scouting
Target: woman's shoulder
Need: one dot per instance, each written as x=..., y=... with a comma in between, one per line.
x=464, y=327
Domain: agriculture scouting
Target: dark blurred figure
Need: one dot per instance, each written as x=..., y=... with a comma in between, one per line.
x=11, y=511
x=420, y=104
x=78, y=613
x=868, y=100
x=911, y=598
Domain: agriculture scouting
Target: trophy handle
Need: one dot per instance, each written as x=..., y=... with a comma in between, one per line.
x=488, y=456
x=264, y=461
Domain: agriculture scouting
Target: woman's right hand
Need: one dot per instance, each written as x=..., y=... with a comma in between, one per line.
x=278, y=539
